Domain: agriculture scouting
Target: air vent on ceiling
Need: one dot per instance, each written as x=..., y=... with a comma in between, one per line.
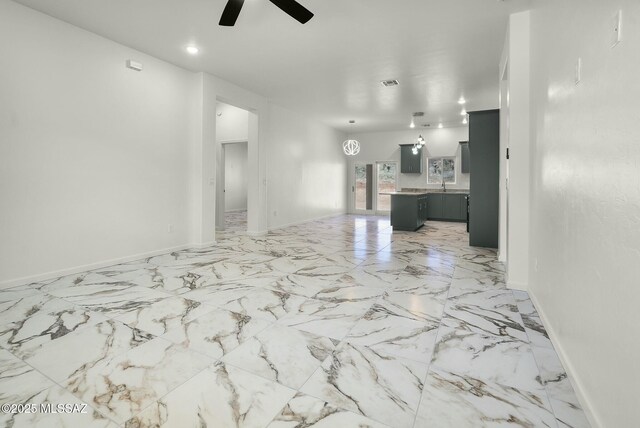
x=426, y=125
x=418, y=114
x=390, y=82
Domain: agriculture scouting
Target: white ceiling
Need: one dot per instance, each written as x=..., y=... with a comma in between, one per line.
x=331, y=67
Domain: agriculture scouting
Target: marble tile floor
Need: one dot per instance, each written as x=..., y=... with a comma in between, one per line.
x=333, y=323
x=235, y=221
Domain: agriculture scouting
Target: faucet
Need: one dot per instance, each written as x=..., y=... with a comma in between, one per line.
x=444, y=186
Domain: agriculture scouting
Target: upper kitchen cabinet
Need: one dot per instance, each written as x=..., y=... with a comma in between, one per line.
x=484, y=149
x=464, y=154
x=410, y=163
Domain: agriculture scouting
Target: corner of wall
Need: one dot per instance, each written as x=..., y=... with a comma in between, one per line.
x=579, y=389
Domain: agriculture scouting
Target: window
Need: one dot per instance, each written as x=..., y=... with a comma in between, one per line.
x=439, y=168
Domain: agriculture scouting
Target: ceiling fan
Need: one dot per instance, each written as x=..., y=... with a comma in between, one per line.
x=290, y=7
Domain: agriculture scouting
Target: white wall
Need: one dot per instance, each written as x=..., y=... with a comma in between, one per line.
x=515, y=128
x=307, y=170
x=97, y=161
x=93, y=156
x=384, y=146
x=232, y=123
x=586, y=197
x=235, y=176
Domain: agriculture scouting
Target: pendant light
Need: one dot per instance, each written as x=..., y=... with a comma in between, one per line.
x=351, y=147
x=418, y=145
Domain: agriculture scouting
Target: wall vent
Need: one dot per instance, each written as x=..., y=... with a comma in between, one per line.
x=390, y=82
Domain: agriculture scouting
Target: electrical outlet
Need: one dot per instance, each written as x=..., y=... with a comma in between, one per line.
x=169, y=228
x=616, y=34
x=275, y=213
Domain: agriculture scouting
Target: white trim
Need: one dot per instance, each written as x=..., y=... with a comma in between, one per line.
x=236, y=210
x=202, y=244
x=522, y=286
x=233, y=141
x=256, y=233
x=282, y=226
x=585, y=402
x=97, y=265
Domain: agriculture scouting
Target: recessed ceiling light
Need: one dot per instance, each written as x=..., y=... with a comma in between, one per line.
x=440, y=125
x=193, y=50
x=462, y=100
x=465, y=121
x=463, y=112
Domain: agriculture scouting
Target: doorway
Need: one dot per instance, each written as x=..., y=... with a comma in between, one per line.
x=235, y=185
x=232, y=128
x=371, y=180
x=386, y=180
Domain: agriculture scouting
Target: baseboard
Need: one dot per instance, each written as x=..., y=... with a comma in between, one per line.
x=282, y=226
x=203, y=244
x=514, y=285
x=236, y=210
x=92, y=266
x=585, y=402
x=105, y=263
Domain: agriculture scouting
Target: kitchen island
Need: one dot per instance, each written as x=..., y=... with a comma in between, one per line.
x=410, y=208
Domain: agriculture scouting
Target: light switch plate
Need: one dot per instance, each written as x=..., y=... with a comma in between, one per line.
x=578, y=70
x=616, y=35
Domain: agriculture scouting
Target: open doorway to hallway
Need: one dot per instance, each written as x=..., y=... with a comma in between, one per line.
x=235, y=187
x=232, y=129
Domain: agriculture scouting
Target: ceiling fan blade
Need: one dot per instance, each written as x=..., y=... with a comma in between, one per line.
x=231, y=12
x=294, y=9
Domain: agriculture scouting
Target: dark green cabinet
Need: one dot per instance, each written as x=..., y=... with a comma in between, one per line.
x=410, y=163
x=465, y=157
x=408, y=212
x=451, y=206
x=434, y=206
x=447, y=206
x=484, y=146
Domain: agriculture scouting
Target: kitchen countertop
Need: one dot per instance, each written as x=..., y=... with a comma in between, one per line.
x=417, y=192
x=404, y=193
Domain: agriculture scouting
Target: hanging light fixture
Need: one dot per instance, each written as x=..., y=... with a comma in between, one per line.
x=351, y=147
x=417, y=145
